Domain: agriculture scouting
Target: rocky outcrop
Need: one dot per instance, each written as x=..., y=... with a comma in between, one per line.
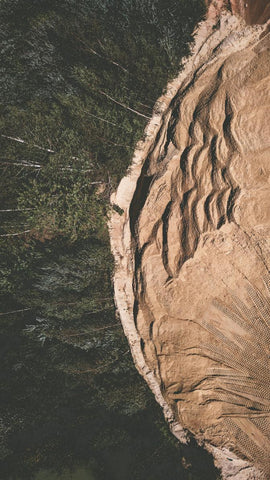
x=194, y=227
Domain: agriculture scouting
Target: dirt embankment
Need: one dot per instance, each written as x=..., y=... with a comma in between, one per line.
x=252, y=11
x=195, y=227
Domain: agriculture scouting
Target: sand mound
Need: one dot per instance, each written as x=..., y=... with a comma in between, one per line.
x=195, y=227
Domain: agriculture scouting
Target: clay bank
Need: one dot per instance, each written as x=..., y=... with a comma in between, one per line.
x=191, y=242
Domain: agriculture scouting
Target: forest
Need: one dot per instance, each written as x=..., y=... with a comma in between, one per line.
x=79, y=81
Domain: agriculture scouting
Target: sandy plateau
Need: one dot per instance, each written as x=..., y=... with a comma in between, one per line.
x=192, y=246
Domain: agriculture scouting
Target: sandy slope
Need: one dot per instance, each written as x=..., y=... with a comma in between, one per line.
x=195, y=226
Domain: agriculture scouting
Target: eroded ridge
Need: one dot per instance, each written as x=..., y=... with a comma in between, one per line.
x=202, y=189
x=196, y=227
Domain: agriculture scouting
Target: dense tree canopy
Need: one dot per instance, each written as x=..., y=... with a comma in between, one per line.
x=78, y=82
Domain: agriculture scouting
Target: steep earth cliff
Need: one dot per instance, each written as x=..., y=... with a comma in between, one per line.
x=192, y=244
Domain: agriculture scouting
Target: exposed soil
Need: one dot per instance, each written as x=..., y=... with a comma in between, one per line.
x=196, y=227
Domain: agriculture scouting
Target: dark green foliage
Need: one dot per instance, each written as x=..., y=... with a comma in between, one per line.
x=70, y=390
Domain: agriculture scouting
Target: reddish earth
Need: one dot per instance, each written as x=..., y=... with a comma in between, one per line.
x=253, y=11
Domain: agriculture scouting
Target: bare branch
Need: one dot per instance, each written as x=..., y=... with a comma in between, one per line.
x=91, y=50
x=15, y=234
x=16, y=210
x=100, y=310
x=146, y=106
x=15, y=311
x=22, y=164
x=38, y=166
x=123, y=105
x=95, y=183
x=115, y=325
x=20, y=140
x=103, y=120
